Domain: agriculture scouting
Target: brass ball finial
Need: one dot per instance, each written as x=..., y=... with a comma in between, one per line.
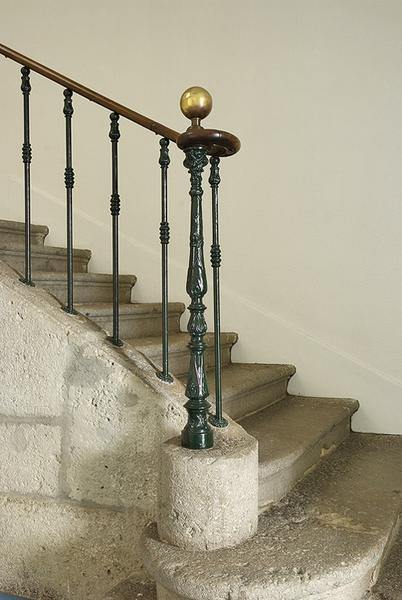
x=196, y=104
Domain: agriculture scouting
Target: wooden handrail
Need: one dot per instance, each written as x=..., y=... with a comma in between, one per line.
x=91, y=95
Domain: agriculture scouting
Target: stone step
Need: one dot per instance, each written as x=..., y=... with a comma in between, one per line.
x=179, y=353
x=249, y=387
x=13, y=232
x=324, y=541
x=139, y=319
x=88, y=287
x=44, y=258
x=292, y=437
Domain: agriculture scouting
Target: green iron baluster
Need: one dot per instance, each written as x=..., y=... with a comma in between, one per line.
x=68, y=111
x=164, y=235
x=214, y=180
x=114, y=135
x=27, y=158
x=197, y=434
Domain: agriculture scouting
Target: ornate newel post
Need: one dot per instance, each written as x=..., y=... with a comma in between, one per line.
x=198, y=143
x=207, y=500
x=197, y=434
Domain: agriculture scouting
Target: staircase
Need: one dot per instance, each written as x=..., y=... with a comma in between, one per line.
x=116, y=481
x=330, y=500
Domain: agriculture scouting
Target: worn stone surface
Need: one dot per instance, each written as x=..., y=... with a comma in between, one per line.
x=137, y=319
x=208, y=499
x=58, y=371
x=292, y=436
x=178, y=350
x=389, y=585
x=52, y=550
x=164, y=594
x=114, y=432
x=29, y=385
x=137, y=587
x=30, y=458
x=324, y=541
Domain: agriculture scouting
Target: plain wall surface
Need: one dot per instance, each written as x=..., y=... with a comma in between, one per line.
x=311, y=213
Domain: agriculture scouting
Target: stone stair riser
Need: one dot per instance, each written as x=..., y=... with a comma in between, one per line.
x=14, y=233
x=179, y=359
x=137, y=326
x=256, y=400
x=40, y=262
x=273, y=488
x=87, y=292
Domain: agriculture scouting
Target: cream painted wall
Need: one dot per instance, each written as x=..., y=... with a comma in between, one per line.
x=311, y=211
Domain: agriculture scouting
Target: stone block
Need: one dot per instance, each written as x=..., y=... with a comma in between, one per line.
x=208, y=499
x=58, y=551
x=29, y=458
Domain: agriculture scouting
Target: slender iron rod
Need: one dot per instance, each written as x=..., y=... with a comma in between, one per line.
x=69, y=183
x=164, y=235
x=214, y=180
x=197, y=433
x=114, y=136
x=27, y=158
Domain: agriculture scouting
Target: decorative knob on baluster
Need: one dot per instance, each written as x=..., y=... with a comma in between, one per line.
x=196, y=104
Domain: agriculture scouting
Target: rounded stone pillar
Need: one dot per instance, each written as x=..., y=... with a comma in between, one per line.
x=208, y=499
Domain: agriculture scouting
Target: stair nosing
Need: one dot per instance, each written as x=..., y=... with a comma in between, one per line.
x=44, y=250
x=97, y=278
x=12, y=226
x=128, y=309
x=156, y=347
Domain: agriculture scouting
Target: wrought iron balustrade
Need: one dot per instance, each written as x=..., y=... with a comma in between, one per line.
x=201, y=147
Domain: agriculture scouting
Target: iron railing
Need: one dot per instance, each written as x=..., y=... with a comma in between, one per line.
x=197, y=144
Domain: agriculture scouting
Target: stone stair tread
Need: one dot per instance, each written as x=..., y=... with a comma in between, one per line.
x=324, y=540
x=287, y=429
x=151, y=346
x=104, y=309
x=58, y=276
x=39, y=250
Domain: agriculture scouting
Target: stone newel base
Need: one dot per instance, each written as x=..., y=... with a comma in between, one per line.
x=208, y=499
